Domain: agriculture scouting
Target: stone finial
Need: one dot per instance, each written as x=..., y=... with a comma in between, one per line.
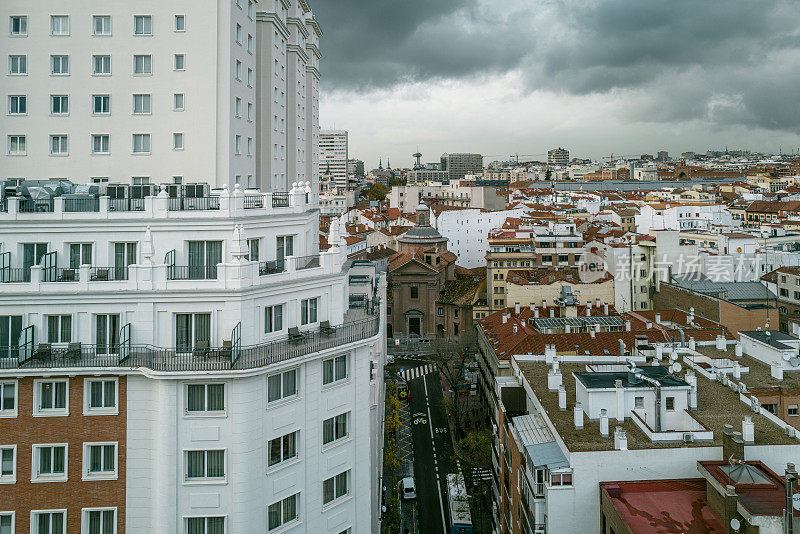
x=237, y=190
x=225, y=191
x=148, y=249
x=163, y=191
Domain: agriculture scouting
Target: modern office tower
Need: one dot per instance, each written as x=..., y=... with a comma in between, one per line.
x=163, y=93
x=333, y=155
x=558, y=157
x=459, y=165
x=185, y=364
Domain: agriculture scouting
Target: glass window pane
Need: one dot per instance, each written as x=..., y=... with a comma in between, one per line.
x=45, y=460
x=327, y=371
x=341, y=367
x=274, y=513
x=195, y=525
x=109, y=393
x=327, y=491
x=274, y=452
x=216, y=525
x=273, y=388
x=109, y=458
x=289, y=508
x=327, y=431
x=195, y=401
x=290, y=445
x=58, y=460
x=60, y=395
x=195, y=464
x=290, y=383
x=216, y=397
x=95, y=458
x=216, y=464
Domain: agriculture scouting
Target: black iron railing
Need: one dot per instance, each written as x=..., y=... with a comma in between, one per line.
x=105, y=274
x=60, y=274
x=271, y=267
x=191, y=272
x=253, y=201
x=193, y=203
x=81, y=205
x=126, y=204
x=77, y=355
x=15, y=274
x=41, y=205
x=280, y=199
x=306, y=262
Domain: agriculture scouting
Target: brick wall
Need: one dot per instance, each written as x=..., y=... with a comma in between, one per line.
x=73, y=429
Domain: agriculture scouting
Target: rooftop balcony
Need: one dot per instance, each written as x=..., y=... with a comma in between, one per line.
x=359, y=323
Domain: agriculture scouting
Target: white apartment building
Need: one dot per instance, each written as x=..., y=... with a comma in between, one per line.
x=223, y=375
x=333, y=156
x=157, y=92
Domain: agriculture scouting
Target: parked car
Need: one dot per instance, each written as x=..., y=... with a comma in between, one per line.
x=408, y=490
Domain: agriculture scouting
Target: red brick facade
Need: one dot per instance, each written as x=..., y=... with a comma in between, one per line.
x=74, y=429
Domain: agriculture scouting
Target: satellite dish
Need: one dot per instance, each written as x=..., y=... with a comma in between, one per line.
x=794, y=361
x=735, y=524
x=673, y=356
x=675, y=368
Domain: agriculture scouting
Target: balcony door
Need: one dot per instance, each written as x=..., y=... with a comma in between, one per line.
x=203, y=259
x=191, y=330
x=285, y=248
x=80, y=254
x=10, y=330
x=124, y=255
x=32, y=254
x=107, y=333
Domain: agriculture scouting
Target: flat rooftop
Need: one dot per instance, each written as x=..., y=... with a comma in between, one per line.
x=717, y=406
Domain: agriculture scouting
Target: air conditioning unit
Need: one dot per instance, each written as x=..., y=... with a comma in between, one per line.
x=688, y=437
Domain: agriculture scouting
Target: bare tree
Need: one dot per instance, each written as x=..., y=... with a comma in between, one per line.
x=451, y=358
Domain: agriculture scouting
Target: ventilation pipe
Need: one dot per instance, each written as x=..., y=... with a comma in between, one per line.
x=597, y=303
x=690, y=318
x=737, y=371
x=658, y=318
x=627, y=326
x=554, y=378
x=578, y=414
x=691, y=379
x=562, y=398
x=649, y=325
x=533, y=308
x=591, y=332
x=620, y=391
x=535, y=312
x=621, y=347
x=604, y=422
x=552, y=312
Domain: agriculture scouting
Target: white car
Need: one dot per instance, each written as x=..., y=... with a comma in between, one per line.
x=407, y=488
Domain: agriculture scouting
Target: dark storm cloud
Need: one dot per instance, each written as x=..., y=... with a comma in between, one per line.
x=722, y=61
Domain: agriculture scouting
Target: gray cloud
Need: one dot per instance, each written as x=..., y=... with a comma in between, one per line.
x=727, y=62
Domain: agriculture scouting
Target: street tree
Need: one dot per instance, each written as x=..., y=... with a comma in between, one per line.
x=451, y=358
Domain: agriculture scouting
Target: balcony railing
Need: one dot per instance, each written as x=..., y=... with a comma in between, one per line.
x=253, y=201
x=306, y=262
x=81, y=205
x=271, y=267
x=42, y=205
x=15, y=274
x=108, y=274
x=193, y=203
x=60, y=274
x=191, y=272
x=78, y=355
x=126, y=204
x=280, y=199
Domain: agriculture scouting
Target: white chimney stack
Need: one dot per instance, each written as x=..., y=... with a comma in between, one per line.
x=620, y=399
x=597, y=303
x=737, y=349
x=550, y=353
x=552, y=312
x=568, y=329
x=591, y=332
x=544, y=303
x=620, y=439
x=649, y=325
x=533, y=308
x=554, y=379
x=737, y=371
x=605, y=308
x=604, y=422
x=721, y=342
x=516, y=308
x=776, y=370
x=691, y=379
x=589, y=309
x=505, y=317
x=690, y=319
x=578, y=413
x=692, y=344
x=748, y=430
x=659, y=351
x=658, y=318
x=535, y=312
x=562, y=398
x=627, y=326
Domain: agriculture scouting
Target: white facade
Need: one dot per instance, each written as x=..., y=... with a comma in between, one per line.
x=683, y=217
x=333, y=155
x=467, y=232
x=161, y=93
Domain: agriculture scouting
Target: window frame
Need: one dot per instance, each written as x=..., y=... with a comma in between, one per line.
x=61, y=142
x=9, y=144
x=667, y=401
x=272, y=318
x=95, y=57
x=61, y=99
x=144, y=58
x=281, y=504
x=205, y=523
x=94, y=26
x=62, y=511
x=35, y=466
x=85, y=518
x=284, y=460
x=21, y=60
x=143, y=136
x=175, y=19
x=13, y=515
x=100, y=138
x=334, y=370
x=63, y=59
x=11, y=25
x=86, y=463
x=284, y=398
x=205, y=479
x=107, y=100
x=12, y=478
x=88, y=410
x=144, y=18
x=37, y=396
x=69, y=26
x=336, y=498
x=336, y=440
x=175, y=97
x=179, y=58
x=142, y=98
x=19, y=98
x=205, y=412
x=306, y=311
x=9, y=413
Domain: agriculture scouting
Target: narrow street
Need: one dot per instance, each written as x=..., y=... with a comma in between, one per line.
x=432, y=451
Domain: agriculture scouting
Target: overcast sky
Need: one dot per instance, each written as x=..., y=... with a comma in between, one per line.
x=594, y=76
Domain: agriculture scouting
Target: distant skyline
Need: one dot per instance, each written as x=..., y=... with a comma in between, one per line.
x=595, y=77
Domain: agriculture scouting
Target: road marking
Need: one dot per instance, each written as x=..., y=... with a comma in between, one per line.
x=417, y=372
x=433, y=445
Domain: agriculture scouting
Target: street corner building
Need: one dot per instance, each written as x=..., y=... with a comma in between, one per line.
x=176, y=353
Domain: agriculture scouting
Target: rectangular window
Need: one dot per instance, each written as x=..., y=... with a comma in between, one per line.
x=50, y=460
x=100, y=143
x=101, y=104
x=205, y=398
x=8, y=464
x=335, y=487
x=17, y=105
x=101, y=25
x=180, y=23
x=237, y=144
x=237, y=107
x=192, y=330
x=250, y=77
x=59, y=65
x=249, y=43
x=792, y=410
x=440, y=311
x=414, y=292
x=59, y=328
x=282, y=386
x=178, y=102
x=180, y=62
x=59, y=24
x=107, y=331
x=101, y=395
x=50, y=522
x=334, y=369
x=51, y=395
x=8, y=397
x=249, y=111
x=101, y=65
x=638, y=402
x=142, y=64
x=142, y=25
x=59, y=104
x=59, y=145
x=205, y=525
x=251, y=10
x=177, y=141
x=99, y=460
x=670, y=404
x=249, y=146
x=282, y=512
x=18, y=25
x=273, y=318
x=18, y=65
x=282, y=449
x=141, y=143
x=308, y=311
x=239, y=34
x=16, y=145
x=100, y=521
x=253, y=249
x=205, y=465
x=335, y=428
x=238, y=70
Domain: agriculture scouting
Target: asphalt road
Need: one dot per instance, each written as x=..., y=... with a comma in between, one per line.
x=433, y=452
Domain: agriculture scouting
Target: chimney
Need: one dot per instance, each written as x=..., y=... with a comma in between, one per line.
x=578, y=413
x=658, y=318
x=721, y=342
x=776, y=370
x=515, y=328
x=597, y=303
x=738, y=349
x=533, y=308
x=620, y=439
x=516, y=308
x=591, y=332
x=544, y=303
x=691, y=379
x=737, y=371
x=748, y=430
x=627, y=326
x=620, y=399
x=589, y=309
x=505, y=317
x=605, y=308
x=659, y=351
x=649, y=325
x=552, y=312
x=732, y=444
x=692, y=344
x=621, y=347
x=535, y=312
x=567, y=329
x=550, y=354
x=731, y=505
x=604, y=422
x=562, y=398
x=554, y=378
